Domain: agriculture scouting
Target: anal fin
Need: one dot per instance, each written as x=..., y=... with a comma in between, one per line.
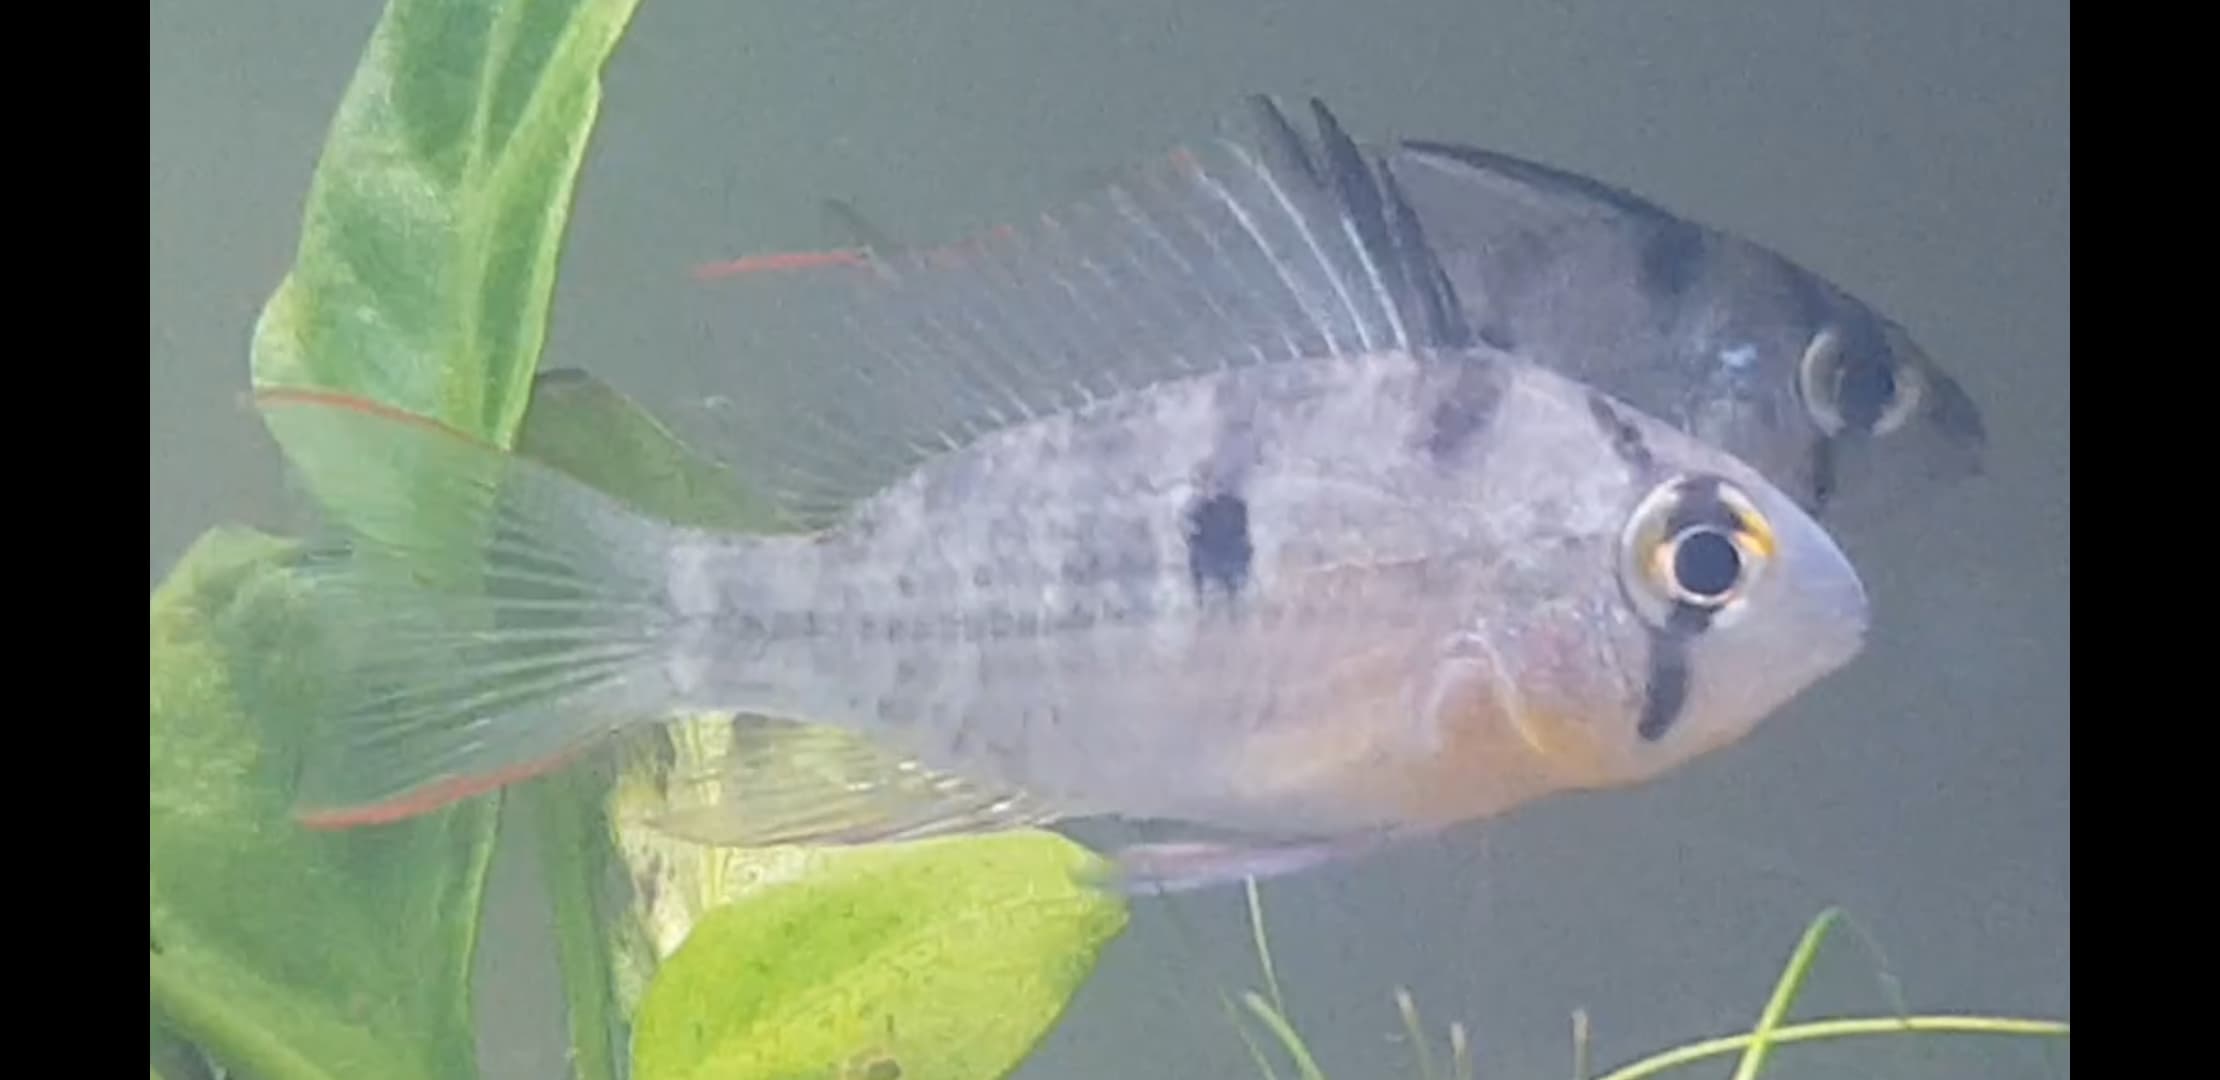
x=791, y=783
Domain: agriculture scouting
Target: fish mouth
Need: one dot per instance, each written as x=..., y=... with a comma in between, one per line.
x=1946, y=412
x=1952, y=412
x=1826, y=610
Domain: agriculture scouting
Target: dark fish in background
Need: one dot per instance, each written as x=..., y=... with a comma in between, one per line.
x=1719, y=336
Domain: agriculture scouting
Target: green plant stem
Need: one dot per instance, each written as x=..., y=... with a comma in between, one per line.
x=1263, y=948
x=1256, y=1053
x=233, y=1038
x=1304, y=1063
x=1417, y=1033
x=1784, y=994
x=573, y=840
x=1836, y=1029
x=1580, y=1044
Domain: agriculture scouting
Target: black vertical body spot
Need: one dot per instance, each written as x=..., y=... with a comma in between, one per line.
x=1626, y=440
x=1672, y=254
x=1218, y=547
x=1464, y=410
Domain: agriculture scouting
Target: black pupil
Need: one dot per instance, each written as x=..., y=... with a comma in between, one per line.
x=1864, y=391
x=1706, y=563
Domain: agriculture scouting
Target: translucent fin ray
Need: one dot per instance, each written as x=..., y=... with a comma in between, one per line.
x=1236, y=250
x=790, y=783
x=490, y=616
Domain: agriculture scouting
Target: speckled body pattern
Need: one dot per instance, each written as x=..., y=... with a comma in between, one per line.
x=1028, y=608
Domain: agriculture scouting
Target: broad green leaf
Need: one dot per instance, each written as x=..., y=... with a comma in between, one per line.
x=586, y=428
x=426, y=262
x=945, y=958
x=286, y=952
x=579, y=865
x=428, y=249
x=172, y=1058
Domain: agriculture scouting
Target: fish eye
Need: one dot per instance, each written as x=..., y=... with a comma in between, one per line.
x=1691, y=552
x=1862, y=389
x=1705, y=565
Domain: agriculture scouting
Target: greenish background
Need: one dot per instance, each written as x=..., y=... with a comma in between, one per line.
x=1914, y=152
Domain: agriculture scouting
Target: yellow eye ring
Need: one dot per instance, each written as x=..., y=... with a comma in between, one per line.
x=1691, y=552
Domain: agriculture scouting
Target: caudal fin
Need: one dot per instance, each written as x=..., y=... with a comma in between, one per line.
x=489, y=616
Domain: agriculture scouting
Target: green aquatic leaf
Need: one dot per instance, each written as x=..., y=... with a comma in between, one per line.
x=172, y=1058
x=945, y=958
x=282, y=951
x=586, y=428
x=425, y=267
x=433, y=225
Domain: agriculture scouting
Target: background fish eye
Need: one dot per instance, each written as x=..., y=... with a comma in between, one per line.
x=1855, y=389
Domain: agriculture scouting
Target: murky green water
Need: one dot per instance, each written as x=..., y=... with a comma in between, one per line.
x=1914, y=152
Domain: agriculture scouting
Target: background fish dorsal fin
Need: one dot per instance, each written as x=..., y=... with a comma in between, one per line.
x=792, y=783
x=1245, y=248
x=849, y=224
x=1467, y=195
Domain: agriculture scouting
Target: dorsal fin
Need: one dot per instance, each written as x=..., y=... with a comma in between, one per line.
x=1512, y=176
x=1233, y=251
x=842, y=218
x=1376, y=203
x=1476, y=200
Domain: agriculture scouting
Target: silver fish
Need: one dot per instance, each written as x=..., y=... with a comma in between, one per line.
x=1724, y=338
x=1199, y=503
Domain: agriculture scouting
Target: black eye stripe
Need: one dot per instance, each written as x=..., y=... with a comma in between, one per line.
x=1688, y=620
x=1700, y=505
x=1665, y=691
